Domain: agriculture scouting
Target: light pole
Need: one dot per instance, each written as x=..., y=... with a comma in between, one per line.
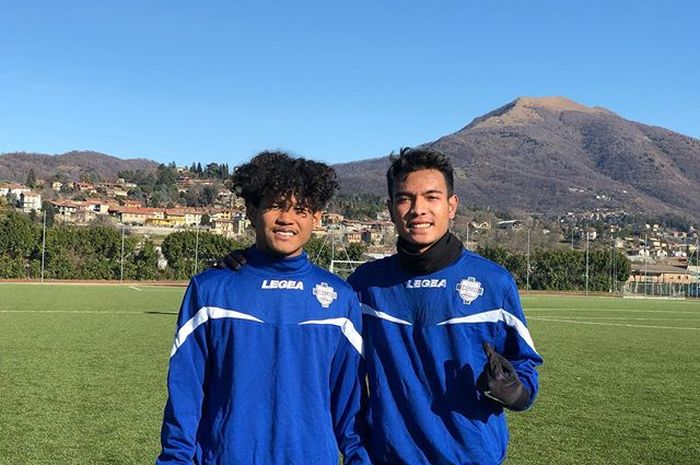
x=43, y=248
x=527, y=271
x=196, y=250
x=121, y=266
x=587, y=262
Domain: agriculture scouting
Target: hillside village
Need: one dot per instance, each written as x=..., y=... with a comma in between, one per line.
x=82, y=203
x=154, y=205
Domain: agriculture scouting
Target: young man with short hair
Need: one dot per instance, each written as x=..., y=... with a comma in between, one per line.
x=447, y=346
x=264, y=367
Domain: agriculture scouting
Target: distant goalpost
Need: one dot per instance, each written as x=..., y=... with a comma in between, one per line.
x=660, y=290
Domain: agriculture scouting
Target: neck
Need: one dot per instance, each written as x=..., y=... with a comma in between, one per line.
x=421, y=260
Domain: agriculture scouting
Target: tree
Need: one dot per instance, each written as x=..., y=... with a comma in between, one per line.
x=31, y=178
x=50, y=211
x=19, y=237
x=166, y=175
x=146, y=262
x=180, y=248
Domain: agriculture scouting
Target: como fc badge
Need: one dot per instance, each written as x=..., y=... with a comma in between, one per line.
x=469, y=289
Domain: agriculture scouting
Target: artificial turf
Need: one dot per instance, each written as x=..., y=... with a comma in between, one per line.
x=82, y=377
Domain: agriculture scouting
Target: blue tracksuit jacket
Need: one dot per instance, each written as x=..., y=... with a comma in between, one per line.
x=423, y=349
x=264, y=368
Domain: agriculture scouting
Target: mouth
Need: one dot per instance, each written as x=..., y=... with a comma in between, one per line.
x=418, y=226
x=283, y=234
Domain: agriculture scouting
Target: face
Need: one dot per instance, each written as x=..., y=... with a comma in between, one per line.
x=282, y=227
x=421, y=208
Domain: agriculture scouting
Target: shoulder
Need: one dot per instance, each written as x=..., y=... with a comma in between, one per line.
x=485, y=268
x=214, y=282
x=210, y=277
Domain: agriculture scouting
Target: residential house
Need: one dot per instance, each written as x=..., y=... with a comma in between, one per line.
x=30, y=201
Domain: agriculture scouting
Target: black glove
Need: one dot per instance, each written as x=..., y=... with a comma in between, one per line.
x=233, y=261
x=500, y=382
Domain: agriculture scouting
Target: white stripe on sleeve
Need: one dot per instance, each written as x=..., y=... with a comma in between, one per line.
x=203, y=315
x=346, y=327
x=494, y=316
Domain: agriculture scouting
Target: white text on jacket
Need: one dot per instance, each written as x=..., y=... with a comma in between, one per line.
x=282, y=284
x=416, y=283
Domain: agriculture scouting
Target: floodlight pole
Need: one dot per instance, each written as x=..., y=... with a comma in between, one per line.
x=196, y=250
x=121, y=266
x=587, y=261
x=572, y=238
x=467, y=236
x=332, y=253
x=527, y=271
x=646, y=249
x=43, y=248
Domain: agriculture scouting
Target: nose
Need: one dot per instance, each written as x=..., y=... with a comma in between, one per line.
x=284, y=216
x=418, y=206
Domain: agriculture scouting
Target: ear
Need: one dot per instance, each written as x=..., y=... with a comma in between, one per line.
x=452, y=204
x=317, y=217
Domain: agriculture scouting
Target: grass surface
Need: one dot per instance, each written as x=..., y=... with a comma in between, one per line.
x=82, y=377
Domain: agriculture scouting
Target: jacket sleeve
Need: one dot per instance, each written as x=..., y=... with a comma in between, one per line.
x=186, y=376
x=346, y=383
x=519, y=347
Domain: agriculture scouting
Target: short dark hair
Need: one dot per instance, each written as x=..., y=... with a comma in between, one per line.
x=410, y=160
x=277, y=175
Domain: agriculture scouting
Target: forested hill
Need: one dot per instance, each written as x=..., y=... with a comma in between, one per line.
x=70, y=166
x=551, y=155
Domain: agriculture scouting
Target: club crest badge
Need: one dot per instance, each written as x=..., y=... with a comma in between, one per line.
x=325, y=294
x=469, y=289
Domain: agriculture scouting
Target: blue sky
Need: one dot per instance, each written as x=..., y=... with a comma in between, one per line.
x=218, y=81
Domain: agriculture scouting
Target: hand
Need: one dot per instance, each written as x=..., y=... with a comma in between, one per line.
x=500, y=382
x=233, y=261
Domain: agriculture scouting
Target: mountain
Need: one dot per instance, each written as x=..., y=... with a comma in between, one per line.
x=71, y=165
x=550, y=155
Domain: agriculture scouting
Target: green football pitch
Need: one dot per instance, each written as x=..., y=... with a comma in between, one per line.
x=82, y=377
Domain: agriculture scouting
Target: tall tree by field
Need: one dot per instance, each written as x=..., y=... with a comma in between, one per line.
x=563, y=269
x=180, y=249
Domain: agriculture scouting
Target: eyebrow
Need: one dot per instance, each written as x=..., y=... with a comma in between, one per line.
x=410, y=194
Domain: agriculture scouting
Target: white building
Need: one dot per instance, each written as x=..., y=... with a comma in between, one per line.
x=30, y=201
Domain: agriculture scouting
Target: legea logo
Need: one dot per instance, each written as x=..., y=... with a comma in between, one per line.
x=416, y=283
x=282, y=284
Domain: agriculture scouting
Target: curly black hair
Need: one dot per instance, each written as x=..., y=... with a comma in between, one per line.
x=410, y=160
x=277, y=175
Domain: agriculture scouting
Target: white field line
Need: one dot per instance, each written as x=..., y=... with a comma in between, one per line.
x=135, y=288
x=590, y=317
x=158, y=288
x=607, y=310
x=556, y=320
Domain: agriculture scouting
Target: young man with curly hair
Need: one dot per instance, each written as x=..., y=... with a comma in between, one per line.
x=264, y=367
x=447, y=346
